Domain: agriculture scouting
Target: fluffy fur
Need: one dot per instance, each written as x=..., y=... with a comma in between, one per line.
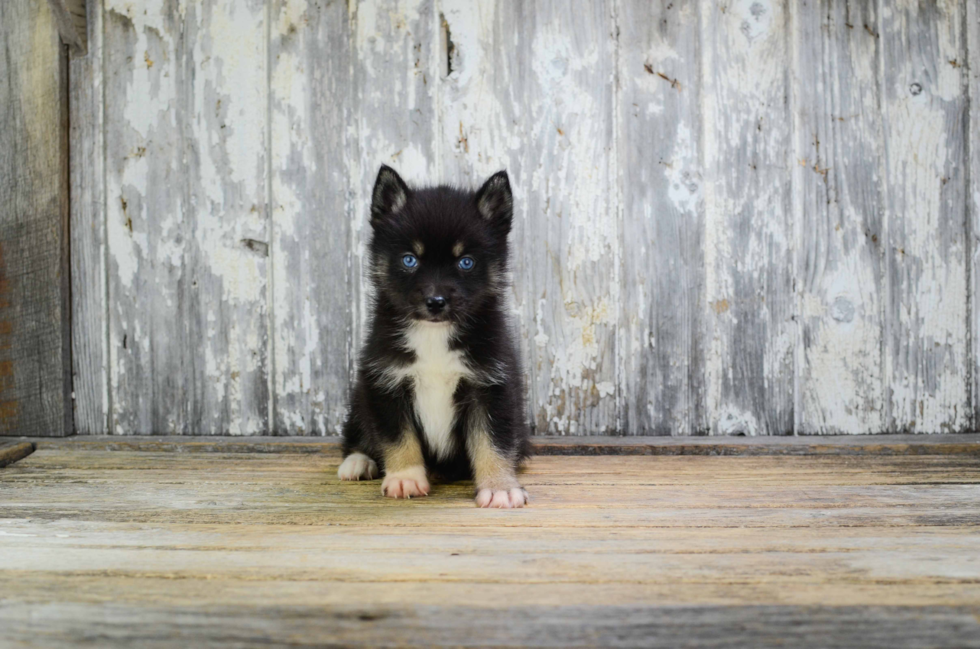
x=440, y=387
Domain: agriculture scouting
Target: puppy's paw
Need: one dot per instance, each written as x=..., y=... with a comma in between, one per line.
x=406, y=483
x=502, y=498
x=358, y=466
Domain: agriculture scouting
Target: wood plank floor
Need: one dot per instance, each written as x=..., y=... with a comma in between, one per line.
x=148, y=548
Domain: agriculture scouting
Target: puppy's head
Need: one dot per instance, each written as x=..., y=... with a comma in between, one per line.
x=437, y=254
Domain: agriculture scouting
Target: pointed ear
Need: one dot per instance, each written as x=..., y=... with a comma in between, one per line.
x=389, y=196
x=495, y=201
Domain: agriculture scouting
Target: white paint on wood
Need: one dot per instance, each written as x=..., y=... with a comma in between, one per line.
x=924, y=120
x=662, y=185
x=310, y=99
x=186, y=173
x=738, y=218
x=837, y=209
x=748, y=231
x=572, y=244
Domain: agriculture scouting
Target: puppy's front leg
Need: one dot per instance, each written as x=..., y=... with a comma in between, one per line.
x=494, y=469
x=405, y=468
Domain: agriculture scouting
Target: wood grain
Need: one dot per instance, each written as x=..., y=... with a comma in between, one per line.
x=925, y=119
x=311, y=140
x=187, y=223
x=95, y=541
x=571, y=241
x=731, y=219
x=35, y=339
x=565, y=626
x=89, y=289
x=837, y=208
x=663, y=316
x=973, y=202
x=749, y=226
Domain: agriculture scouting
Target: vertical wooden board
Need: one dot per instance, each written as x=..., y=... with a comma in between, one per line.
x=186, y=219
x=663, y=218
x=226, y=108
x=311, y=107
x=839, y=203
x=395, y=63
x=973, y=204
x=748, y=223
x=482, y=119
x=572, y=249
x=481, y=98
x=925, y=129
x=35, y=363
x=89, y=298
x=146, y=227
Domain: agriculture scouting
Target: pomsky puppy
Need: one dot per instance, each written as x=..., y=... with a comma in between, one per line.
x=440, y=387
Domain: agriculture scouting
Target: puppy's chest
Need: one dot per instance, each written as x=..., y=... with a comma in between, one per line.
x=435, y=374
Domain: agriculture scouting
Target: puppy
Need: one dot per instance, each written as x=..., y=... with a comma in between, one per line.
x=440, y=387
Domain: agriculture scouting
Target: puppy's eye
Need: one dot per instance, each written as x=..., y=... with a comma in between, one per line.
x=410, y=261
x=466, y=263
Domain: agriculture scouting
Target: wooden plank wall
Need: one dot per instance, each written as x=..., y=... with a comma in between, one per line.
x=35, y=387
x=749, y=217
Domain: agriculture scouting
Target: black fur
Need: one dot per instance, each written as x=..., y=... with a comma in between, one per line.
x=439, y=218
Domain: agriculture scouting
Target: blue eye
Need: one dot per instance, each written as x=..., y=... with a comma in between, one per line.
x=466, y=263
x=410, y=261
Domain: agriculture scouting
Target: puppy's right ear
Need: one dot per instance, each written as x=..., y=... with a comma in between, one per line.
x=389, y=196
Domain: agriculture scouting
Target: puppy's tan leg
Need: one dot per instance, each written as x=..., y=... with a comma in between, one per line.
x=405, y=468
x=494, y=472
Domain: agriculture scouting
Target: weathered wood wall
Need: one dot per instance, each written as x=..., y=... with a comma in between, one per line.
x=734, y=217
x=35, y=388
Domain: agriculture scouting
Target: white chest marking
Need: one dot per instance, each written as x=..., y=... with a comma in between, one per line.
x=435, y=374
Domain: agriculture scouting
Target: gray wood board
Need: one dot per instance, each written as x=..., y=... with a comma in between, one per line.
x=89, y=296
x=185, y=115
x=973, y=201
x=310, y=101
x=729, y=218
x=35, y=379
x=838, y=205
x=663, y=316
x=924, y=111
x=748, y=223
x=65, y=624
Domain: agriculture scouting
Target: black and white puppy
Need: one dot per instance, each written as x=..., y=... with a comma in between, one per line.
x=440, y=386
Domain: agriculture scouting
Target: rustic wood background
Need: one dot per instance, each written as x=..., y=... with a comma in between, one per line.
x=35, y=388
x=733, y=216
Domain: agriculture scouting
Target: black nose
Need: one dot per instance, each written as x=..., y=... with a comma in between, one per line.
x=435, y=304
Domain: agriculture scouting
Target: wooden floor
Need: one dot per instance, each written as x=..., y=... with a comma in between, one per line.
x=148, y=548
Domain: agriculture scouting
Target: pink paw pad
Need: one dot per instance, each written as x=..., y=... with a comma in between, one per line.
x=409, y=483
x=502, y=498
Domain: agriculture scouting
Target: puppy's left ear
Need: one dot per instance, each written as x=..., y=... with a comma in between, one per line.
x=495, y=202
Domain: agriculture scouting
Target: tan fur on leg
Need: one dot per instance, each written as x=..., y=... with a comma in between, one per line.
x=493, y=472
x=405, y=468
